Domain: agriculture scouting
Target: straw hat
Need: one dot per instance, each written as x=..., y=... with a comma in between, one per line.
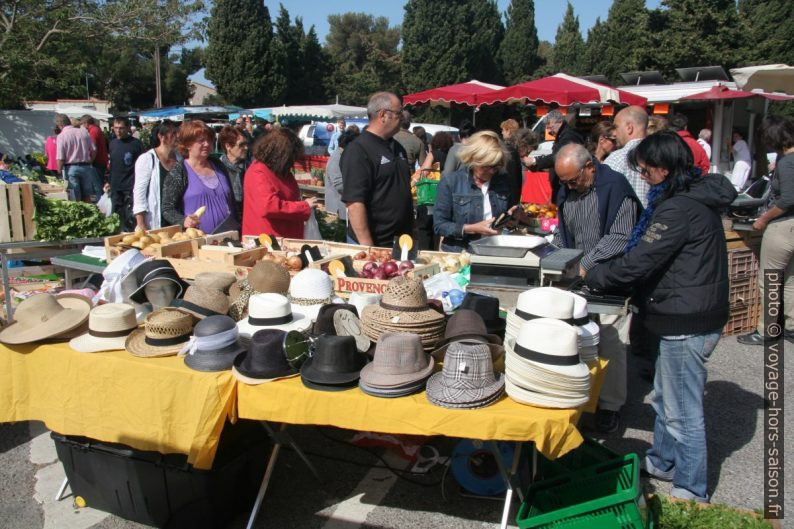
x=467, y=379
x=164, y=333
x=265, y=359
x=264, y=278
x=361, y=300
x=541, y=302
x=217, y=280
x=214, y=345
x=43, y=316
x=108, y=328
x=399, y=360
x=202, y=302
x=589, y=333
x=309, y=290
x=271, y=311
x=551, y=345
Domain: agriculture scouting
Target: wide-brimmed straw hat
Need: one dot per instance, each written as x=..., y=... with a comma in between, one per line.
x=467, y=379
x=265, y=359
x=399, y=360
x=42, y=316
x=108, y=328
x=265, y=277
x=214, y=345
x=589, y=333
x=271, y=311
x=149, y=271
x=164, y=332
x=309, y=290
x=217, y=280
x=202, y=302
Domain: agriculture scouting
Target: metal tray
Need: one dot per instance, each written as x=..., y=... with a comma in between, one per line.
x=506, y=245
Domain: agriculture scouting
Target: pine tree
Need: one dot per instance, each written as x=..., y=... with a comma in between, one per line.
x=291, y=38
x=595, y=60
x=238, y=58
x=769, y=32
x=518, y=53
x=314, y=75
x=625, y=41
x=568, y=45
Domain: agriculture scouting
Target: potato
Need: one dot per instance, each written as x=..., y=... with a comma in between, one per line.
x=129, y=239
x=140, y=231
x=155, y=245
x=191, y=233
x=138, y=245
x=149, y=252
x=154, y=237
x=179, y=237
x=146, y=240
x=200, y=233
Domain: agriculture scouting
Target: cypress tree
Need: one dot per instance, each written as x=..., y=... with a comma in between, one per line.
x=770, y=33
x=626, y=39
x=314, y=73
x=291, y=38
x=518, y=53
x=568, y=45
x=595, y=60
x=238, y=58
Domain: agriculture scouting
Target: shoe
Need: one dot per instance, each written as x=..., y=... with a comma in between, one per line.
x=751, y=339
x=607, y=421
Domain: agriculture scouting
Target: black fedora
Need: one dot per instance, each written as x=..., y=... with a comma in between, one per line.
x=324, y=324
x=265, y=359
x=488, y=308
x=148, y=271
x=221, y=333
x=335, y=364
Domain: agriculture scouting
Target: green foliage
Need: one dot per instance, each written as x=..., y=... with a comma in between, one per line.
x=331, y=230
x=569, y=46
x=767, y=24
x=518, y=52
x=681, y=515
x=446, y=42
x=620, y=43
x=62, y=220
x=595, y=58
x=303, y=62
x=239, y=57
x=291, y=37
x=314, y=74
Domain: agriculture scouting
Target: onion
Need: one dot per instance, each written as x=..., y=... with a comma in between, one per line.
x=390, y=268
x=294, y=263
x=370, y=267
x=406, y=265
x=379, y=274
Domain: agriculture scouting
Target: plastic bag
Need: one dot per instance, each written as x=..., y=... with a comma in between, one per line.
x=311, y=230
x=104, y=205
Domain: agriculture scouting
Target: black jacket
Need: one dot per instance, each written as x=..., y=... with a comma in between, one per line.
x=679, y=269
x=565, y=135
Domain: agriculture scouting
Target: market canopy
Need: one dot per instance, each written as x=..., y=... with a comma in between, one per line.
x=74, y=111
x=263, y=113
x=320, y=112
x=178, y=113
x=768, y=77
x=563, y=90
x=720, y=92
x=468, y=93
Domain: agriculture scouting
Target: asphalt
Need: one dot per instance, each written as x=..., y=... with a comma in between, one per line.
x=357, y=491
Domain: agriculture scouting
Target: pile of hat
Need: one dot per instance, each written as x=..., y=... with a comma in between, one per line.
x=399, y=367
x=335, y=364
x=404, y=308
x=467, y=379
x=266, y=277
x=467, y=326
x=589, y=335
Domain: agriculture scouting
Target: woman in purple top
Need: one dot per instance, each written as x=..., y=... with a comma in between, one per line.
x=196, y=182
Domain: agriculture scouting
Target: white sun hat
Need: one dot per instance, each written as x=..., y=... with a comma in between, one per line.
x=587, y=328
x=108, y=328
x=271, y=311
x=550, y=345
x=541, y=302
x=309, y=290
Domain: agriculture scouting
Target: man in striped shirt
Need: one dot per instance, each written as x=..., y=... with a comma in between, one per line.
x=597, y=212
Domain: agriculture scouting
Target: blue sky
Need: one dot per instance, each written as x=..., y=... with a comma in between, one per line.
x=548, y=13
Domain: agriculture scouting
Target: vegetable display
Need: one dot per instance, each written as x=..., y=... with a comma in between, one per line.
x=62, y=220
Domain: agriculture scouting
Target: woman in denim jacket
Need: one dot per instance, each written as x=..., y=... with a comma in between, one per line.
x=468, y=201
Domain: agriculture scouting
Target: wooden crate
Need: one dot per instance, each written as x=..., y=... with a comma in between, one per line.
x=112, y=251
x=190, y=268
x=17, y=211
x=214, y=239
x=344, y=286
x=230, y=256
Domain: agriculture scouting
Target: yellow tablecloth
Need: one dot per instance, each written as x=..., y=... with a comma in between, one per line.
x=553, y=431
x=147, y=403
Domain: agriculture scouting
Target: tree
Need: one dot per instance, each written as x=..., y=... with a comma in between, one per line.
x=364, y=54
x=436, y=52
x=239, y=58
x=621, y=42
x=595, y=60
x=568, y=45
x=291, y=38
x=518, y=53
x=314, y=74
x=764, y=23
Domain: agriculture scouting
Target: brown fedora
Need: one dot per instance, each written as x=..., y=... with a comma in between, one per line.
x=217, y=280
x=43, y=316
x=202, y=302
x=467, y=326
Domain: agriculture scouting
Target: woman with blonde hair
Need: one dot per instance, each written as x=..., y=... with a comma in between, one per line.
x=468, y=200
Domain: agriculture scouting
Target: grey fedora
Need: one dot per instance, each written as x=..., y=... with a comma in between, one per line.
x=399, y=360
x=467, y=379
x=214, y=345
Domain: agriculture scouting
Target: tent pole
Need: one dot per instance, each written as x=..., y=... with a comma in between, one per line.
x=717, y=138
x=473, y=116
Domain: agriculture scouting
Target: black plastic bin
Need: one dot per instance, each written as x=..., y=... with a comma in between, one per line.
x=163, y=489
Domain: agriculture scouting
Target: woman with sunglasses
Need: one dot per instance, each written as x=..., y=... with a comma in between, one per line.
x=602, y=140
x=468, y=200
x=676, y=265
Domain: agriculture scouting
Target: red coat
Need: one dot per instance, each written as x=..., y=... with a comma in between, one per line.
x=271, y=204
x=701, y=160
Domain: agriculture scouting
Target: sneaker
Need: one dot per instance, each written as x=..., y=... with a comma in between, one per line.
x=751, y=339
x=607, y=421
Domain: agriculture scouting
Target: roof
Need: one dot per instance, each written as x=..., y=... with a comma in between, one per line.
x=673, y=92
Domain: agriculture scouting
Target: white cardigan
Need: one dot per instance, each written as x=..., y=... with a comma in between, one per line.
x=146, y=192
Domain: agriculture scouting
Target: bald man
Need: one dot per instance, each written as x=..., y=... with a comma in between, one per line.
x=631, y=124
x=597, y=212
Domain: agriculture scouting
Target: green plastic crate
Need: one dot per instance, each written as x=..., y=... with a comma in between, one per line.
x=426, y=192
x=603, y=496
x=589, y=453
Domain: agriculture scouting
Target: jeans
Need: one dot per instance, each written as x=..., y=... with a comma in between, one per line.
x=83, y=182
x=679, y=434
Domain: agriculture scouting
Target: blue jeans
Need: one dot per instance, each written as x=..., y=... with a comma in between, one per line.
x=679, y=434
x=83, y=182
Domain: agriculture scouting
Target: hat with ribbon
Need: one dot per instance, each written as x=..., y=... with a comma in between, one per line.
x=468, y=326
x=217, y=280
x=164, y=332
x=399, y=360
x=265, y=359
x=335, y=364
x=589, y=333
x=551, y=345
x=108, y=328
x=149, y=271
x=488, y=308
x=116, y=287
x=271, y=311
x=43, y=316
x=202, y=302
x=541, y=302
x=309, y=290
x=214, y=345
x=264, y=278
x=467, y=379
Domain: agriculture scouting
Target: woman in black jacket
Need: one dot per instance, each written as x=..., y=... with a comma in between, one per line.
x=676, y=265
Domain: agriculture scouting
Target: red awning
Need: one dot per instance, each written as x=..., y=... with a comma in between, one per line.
x=563, y=90
x=723, y=92
x=468, y=93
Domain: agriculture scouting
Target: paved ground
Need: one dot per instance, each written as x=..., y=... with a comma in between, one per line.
x=358, y=492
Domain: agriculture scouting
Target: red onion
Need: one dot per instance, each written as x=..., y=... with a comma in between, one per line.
x=390, y=268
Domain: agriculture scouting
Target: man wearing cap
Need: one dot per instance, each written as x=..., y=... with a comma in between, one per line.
x=376, y=178
x=597, y=212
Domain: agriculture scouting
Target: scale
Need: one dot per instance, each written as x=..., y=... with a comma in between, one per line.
x=521, y=261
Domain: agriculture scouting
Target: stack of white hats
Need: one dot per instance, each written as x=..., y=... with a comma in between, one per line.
x=543, y=368
x=541, y=302
x=588, y=329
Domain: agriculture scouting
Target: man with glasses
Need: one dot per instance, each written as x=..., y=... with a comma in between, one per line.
x=631, y=125
x=597, y=212
x=376, y=178
x=124, y=151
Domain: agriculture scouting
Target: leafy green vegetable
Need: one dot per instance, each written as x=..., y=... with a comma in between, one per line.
x=331, y=230
x=61, y=220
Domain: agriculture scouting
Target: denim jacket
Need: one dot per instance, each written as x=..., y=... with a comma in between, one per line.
x=459, y=201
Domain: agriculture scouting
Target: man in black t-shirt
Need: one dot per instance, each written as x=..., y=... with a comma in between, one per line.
x=123, y=150
x=376, y=178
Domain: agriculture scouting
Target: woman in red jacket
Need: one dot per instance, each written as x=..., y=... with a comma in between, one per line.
x=272, y=202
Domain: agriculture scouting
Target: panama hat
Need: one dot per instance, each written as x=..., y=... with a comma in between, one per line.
x=399, y=360
x=164, y=333
x=588, y=329
x=44, y=316
x=467, y=379
x=361, y=300
x=309, y=290
x=271, y=311
x=202, y=302
x=108, y=328
x=265, y=360
x=335, y=364
x=217, y=280
x=149, y=271
x=214, y=345
x=541, y=302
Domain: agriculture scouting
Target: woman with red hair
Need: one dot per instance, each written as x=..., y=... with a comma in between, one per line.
x=197, y=182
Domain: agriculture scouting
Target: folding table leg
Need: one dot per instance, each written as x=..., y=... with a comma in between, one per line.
x=510, y=478
x=62, y=489
x=282, y=437
x=265, y=481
